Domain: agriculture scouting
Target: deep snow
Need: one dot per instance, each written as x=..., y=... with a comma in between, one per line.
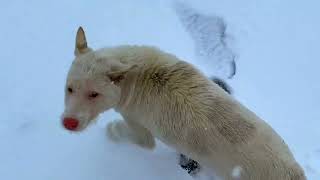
x=277, y=45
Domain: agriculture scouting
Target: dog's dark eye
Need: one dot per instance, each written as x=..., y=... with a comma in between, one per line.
x=93, y=95
x=70, y=90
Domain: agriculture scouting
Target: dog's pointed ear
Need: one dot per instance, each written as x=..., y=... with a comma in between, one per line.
x=119, y=72
x=81, y=43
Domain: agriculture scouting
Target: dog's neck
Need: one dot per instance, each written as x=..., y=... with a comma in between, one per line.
x=127, y=87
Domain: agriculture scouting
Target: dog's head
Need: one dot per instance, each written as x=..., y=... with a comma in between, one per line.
x=91, y=86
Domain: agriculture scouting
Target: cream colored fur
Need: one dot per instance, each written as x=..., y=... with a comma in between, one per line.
x=161, y=96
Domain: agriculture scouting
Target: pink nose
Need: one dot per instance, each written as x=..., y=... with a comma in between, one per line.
x=70, y=123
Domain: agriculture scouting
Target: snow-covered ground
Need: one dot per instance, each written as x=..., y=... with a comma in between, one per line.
x=277, y=48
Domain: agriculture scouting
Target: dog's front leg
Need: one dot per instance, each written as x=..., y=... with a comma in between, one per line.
x=130, y=131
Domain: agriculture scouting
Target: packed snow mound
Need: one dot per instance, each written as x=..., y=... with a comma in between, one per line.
x=208, y=33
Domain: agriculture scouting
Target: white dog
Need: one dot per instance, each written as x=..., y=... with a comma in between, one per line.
x=161, y=96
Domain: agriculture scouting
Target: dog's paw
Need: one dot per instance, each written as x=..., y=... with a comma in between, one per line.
x=146, y=142
x=116, y=131
x=190, y=165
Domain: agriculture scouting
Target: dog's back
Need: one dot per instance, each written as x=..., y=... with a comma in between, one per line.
x=198, y=118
